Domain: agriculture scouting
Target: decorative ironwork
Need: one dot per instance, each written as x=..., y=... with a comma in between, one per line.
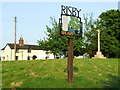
x=69, y=11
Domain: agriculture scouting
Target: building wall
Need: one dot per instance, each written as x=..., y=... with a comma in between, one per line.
x=41, y=54
x=50, y=55
x=23, y=54
x=6, y=54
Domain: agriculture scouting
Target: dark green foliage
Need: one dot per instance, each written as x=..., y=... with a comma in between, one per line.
x=57, y=44
x=54, y=42
x=90, y=34
x=109, y=25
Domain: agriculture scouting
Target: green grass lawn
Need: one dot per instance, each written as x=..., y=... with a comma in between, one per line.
x=92, y=73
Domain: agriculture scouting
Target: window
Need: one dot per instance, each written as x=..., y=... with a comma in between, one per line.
x=3, y=58
x=29, y=50
x=28, y=58
x=16, y=57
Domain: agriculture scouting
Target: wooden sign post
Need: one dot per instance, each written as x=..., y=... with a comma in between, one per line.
x=70, y=59
x=65, y=30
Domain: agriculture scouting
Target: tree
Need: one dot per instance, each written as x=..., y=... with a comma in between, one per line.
x=54, y=42
x=59, y=44
x=109, y=24
x=90, y=34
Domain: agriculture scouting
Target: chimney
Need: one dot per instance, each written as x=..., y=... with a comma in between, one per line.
x=21, y=41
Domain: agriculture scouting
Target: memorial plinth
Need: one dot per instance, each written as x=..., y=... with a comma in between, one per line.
x=99, y=55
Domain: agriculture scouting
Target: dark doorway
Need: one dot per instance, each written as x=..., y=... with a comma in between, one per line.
x=34, y=57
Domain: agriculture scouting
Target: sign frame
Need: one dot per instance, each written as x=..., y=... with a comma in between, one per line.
x=70, y=11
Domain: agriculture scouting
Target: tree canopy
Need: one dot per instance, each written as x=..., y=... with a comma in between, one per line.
x=59, y=44
x=109, y=24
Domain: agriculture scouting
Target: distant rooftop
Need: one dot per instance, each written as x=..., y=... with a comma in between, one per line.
x=25, y=46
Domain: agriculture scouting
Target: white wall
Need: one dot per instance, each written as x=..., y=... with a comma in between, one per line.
x=41, y=54
x=23, y=54
x=6, y=54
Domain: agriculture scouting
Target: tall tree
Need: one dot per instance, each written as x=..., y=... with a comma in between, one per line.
x=90, y=34
x=54, y=42
x=109, y=24
x=59, y=44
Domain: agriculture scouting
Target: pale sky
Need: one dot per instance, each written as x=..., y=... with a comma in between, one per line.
x=32, y=17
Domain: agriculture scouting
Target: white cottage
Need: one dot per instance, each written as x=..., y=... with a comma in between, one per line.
x=24, y=52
